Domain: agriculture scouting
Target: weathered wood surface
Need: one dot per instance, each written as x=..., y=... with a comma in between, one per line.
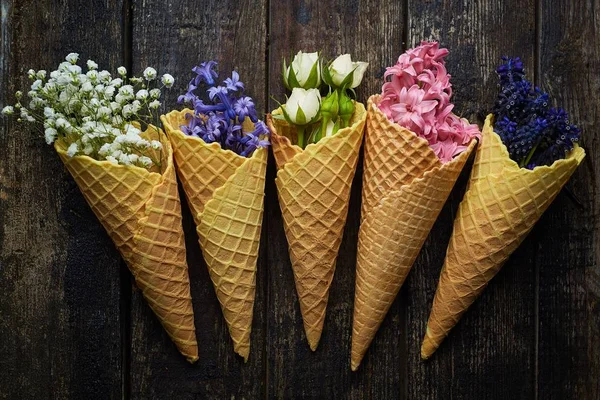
x=73, y=326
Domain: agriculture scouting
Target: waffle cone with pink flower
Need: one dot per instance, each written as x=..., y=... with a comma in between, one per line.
x=313, y=186
x=405, y=187
x=225, y=192
x=141, y=212
x=415, y=149
x=502, y=204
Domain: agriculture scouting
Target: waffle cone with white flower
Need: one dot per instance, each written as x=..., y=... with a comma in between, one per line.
x=225, y=192
x=415, y=149
x=313, y=186
x=141, y=212
x=221, y=157
x=403, y=195
x=126, y=175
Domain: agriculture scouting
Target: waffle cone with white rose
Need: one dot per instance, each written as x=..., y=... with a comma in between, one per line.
x=313, y=186
x=225, y=192
x=141, y=212
x=502, y=204
x=405, y=187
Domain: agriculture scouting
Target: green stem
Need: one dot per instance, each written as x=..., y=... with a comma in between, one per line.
x=300, y=130
x=528, y=158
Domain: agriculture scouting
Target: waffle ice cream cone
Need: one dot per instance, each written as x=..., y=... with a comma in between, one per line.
x=225, y=192
x=405, y=187
x=313, y=187
x=502, y=204
x=141, y=212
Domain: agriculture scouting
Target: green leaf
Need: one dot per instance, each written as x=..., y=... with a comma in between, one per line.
x=348, y=80
x=284, y=73
x=313, y=78
x=286, y=115
x=292, y=79
x=327, y=75
x=300, y=117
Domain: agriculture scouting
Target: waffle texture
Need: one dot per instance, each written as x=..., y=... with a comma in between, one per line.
x=405, y=187
x=502, y=204
x=225, y=192
x=141, y=212
x=313, y=187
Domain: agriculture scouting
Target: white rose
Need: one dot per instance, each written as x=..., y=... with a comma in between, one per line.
x=343, y=66
x=303, y=106
x=307, y=69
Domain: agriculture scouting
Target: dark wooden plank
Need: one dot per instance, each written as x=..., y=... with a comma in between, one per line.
x=568, y=251
x=59, y=272
x=369, y=31
x=491, y=352
x=174, y=37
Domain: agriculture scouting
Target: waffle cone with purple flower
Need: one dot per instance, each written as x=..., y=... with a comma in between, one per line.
x=405, y=187
x=527, y=154
x=313, y=186
x=140, y=210
x=225, y=192
x=502, y=204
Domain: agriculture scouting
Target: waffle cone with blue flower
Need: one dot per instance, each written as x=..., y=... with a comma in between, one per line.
x=221, y=163
x=316, y=142
x=528, y=152
x=415, y=150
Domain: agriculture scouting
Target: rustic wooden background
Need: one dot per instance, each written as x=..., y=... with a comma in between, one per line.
x=73, y=326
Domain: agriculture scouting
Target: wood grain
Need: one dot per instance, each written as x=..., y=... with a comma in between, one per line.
x=369, y=31
x=73, y=326
x=491, y=351
x=568, y=248
x=175, y=37
x=59, y=272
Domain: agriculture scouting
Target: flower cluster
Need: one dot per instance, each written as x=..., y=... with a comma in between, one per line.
x=306, y=77
x=417, y=96
x=534, y=133
x=220, y=119
x=93, y=113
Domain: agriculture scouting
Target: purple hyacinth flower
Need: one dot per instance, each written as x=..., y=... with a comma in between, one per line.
x=234, y=84
x=244, y=107
x=205, y=73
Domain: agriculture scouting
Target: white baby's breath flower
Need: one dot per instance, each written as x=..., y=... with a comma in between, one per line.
x=120, y=99
x=88, y=149
x=145, y=161
x=127, y=111
x=104, y=76
x=31, y=74
x=61, y=123
x=122, y=71
x=112, y=159
x=135, y=80
x=142, y=94
x=72, y=58
x=155, y=93
x=117, y=82
x=136, y=106
x=156, y=145
x=124, y=159
x=91, y=64
x=87, y=87
x=8, y=110
x=50, y=134
x=75, y=69
x=92, y=74
x=104, y=111
x=168, y=80
x=72, y=150
x=133, y=158
x=154, y=104
x=105, y=149
x=36, y=85
x=150, y=74
x=41, y=74
x=126, y=91
x=49, y=112
x=109, y=92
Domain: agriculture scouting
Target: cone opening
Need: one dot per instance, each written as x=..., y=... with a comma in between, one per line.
x=173, y=121
x=577, y=154
x=289, y=130
x=166, y=154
